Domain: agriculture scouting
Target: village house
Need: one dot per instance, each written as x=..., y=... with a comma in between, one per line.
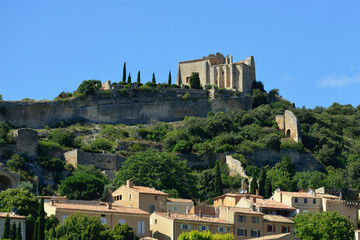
x=231, y=199
x=168, y=226
x=13, y=218
x=178, y=205
x=206, y=211
x=267, y=206
x=108, y=213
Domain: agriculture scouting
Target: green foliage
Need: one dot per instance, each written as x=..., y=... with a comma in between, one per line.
x=195, y=81
x=26, y=185
x=41, y=221
x=111, y=133
x=26, y=202
x=89, y=87
x=254, y=185
x=182, y=146
x=124, y=73
x=218, y=185
x=204, y=235
x=186, y=96
x=138, y=77
x=51, y=163
x=13, y=231
x=169, y=79
x=98, y=145
x=16, y=163
x=6, y=232
x=272, y=141
x=92, y=170
x=64, y=95
x=1, y=97
x=260, y=98
x=62, y=137
x=206, y=185
x=161, y=170
x=82, y=187
x=129, y=79
x=145, y=88
x=325, y=225
x=18, y=232
x=258, y=85
x=4, y=131
x=153, y=80
x=123, y=232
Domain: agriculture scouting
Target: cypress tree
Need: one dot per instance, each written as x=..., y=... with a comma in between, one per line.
x=41, y=221
x=138, y=77
x=13, y=231
x=36, y=226
x=169, y=80
x=124, y=73
x=129, y=79
x=262, y=181
x=153, y=79
x=18, y=232
x=218, y=183
x=6, y=233
x=253, y=185
x=268, y=188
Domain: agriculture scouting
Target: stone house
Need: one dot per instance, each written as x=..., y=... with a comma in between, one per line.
x=219, y=71
x=168, y=226
x=108, y=213
x=231, y=199
x=267, y=206
x=177, y=205
x=13, y=218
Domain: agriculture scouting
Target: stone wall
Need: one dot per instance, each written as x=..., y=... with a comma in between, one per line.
x=136, y=107
x=26, y=141
x=290, y=125
x=104, y=161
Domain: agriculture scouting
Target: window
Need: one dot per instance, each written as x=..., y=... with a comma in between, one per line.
x=296, y=200
x=175, y=208
x=120, y=197
x=241, y=232
x=63, y=218
x=203, y=228
x=155, y=221
x=103, y=220
x=314, y=201
x=271, y=228
x=129, y=196
x=156, y=197
x=305, y=200
x=255, y=219
x=241, y=218
x=187, y=79
x=185, y=226
x=187, y=209
x=229, y=199
x=122, y=221
x=221, y=229
x=255, y=233
x=285, y=229
x=140, y=227
x=152, y=208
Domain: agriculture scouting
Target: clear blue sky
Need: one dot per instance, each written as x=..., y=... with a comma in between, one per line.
x=309, y=50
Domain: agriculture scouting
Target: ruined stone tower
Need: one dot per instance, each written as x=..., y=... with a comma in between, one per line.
x=290, y=125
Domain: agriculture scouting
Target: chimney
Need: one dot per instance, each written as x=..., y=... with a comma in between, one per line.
x=257, y=192
x=254, y=199
x=129, y=183
x=247, y=196
x=281, y=197
x=109, y=205
x=200, y=213
x=52, y=202
x=168, y=213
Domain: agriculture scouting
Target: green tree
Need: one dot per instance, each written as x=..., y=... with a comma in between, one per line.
x=16, y=163
x=124, y=73
x=123, y=232
x=268, y=188
x=62, y=137
x=41, y=221
x=25, y=202
x=79, y=226
x=253, y=185
x=13, y=231
x=262, y=181
x=82, y=187
x=4, y=131
x=195, y=81
x=92, y=170
x=153, y=81
x=161, y=170
x=18, y=232
x=36, y=230
x=129, y=78
x=138, y=77
x=218, y=186
x=325, y=225
x=6, y=233
x=204, y=235
x=169, y=79
x=206, y=185
x=89, y=87
x=260, y=98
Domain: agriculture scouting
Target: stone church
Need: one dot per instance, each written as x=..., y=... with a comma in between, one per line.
x=219, y=71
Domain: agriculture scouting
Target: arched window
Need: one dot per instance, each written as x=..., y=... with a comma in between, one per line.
x=288, y=133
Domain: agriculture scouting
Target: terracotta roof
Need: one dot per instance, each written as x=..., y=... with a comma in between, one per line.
x=267, y=203
x=98, y=208
x=273, y=237
x=299, y=194
x=277, y=218
x=11, y=215
x=210, y=211
x=191, y=218
x=180, y=200
x=141, y=189
x=244, y=210
x=325, y=195
x=242, y=195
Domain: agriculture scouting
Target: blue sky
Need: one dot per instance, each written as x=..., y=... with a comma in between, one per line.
x=308, y=49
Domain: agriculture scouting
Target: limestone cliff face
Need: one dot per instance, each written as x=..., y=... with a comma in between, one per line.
x=136, y=107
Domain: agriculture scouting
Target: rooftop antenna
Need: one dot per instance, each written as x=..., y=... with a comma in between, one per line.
x=278, y=190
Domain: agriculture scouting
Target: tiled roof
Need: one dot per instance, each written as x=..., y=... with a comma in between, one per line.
x=277, y=218
x=180, y=200
x=141, y=189
x=11, y=215
x=244, y=210
x=273, y=237
x=238, y=195
x=210, y=211
x=191, y=218
x=325, y=195
x=98, y=208
x=268, y=203
x=299, y=194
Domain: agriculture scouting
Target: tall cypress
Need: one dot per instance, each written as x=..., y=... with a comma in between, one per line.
x=253, y=185
x=36, y=226
x=153, y=79
x=129, y=79
x=41, y=221
x=13, y=231
x=262, y=180
x=169, y=80
x=6, y=233
x=138, y=77
x=124, y=73
x=268, y=188
x=18, y=232
x=218, y=183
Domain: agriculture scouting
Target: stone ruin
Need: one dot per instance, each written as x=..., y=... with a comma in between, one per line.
x=290, y=125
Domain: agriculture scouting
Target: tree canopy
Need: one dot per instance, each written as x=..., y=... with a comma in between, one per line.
x=25, y=202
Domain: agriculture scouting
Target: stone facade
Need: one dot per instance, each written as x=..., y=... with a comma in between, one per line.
x=8, y=179
x=26, y=141
x=219, y=71
x=290, y=125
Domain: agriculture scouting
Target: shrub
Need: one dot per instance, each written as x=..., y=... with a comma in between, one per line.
x=182, y=147
x=195, y=81
x=99, y=144
x=124, y=92
x=89, y=87
x=145, y=88
x=62, y=137
x=16, y=163
x=63, y=95
x=186, y=96
x=51, y=163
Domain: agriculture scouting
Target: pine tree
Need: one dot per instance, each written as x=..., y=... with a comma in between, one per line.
x=268, y=188
x=138, y=77
x=41, y=221
x=153, y=79
x=253, y=185
x=129, y=79
x=18, y=232
x=124, y=73
x=6, y=233
x=169, y=80
x=13, y=231
x=218, y=187
x=262, y=180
